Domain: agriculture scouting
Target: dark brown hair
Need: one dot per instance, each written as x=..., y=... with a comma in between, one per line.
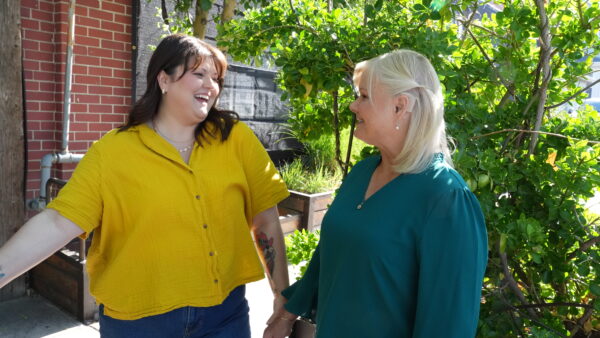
x=181, y=50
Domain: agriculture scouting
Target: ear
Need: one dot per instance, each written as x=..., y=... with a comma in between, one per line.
x=163, y=80
x=401, y=102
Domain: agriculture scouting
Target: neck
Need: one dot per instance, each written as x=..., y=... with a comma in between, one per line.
x=173, y=131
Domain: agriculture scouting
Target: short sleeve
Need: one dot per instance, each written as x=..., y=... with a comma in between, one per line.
x=452, y=257
x=266, y=187
x=302, y=295
x=80, y=199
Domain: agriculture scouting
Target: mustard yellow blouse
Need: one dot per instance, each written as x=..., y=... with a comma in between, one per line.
x=168, y=234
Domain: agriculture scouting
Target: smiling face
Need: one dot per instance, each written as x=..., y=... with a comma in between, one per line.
x=377, y=115
x=189, y=97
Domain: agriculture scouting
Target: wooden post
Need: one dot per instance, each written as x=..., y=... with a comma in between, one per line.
x=12, y=164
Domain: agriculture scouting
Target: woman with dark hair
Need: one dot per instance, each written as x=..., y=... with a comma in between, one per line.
x=174, y=198
x=403, y=246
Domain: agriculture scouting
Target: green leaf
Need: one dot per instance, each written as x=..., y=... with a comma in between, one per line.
x=595, y=289
x=206, y=5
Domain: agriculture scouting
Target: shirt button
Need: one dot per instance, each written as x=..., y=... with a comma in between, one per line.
x=205, y=226
x=197, y=197
x=216, y=280
x=211, y=253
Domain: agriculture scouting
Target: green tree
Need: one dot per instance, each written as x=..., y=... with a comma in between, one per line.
x=505, y=75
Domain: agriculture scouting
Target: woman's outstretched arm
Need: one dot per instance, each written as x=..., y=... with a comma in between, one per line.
x=39, y=238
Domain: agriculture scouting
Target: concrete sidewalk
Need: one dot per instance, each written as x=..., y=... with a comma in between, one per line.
x=34, y=316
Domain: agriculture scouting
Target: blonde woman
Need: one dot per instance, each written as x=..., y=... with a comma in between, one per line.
x=403, y=247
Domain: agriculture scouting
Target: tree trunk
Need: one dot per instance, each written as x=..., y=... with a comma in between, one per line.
x=200, y=21
x=12, y=205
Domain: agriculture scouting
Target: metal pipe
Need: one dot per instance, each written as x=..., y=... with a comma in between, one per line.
x=68, y=75
x=46, y=167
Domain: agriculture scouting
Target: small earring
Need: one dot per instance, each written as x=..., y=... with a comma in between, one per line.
x=163, y=91
x=397, y=126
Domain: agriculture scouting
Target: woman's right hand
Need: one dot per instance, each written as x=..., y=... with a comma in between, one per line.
x=280, y=325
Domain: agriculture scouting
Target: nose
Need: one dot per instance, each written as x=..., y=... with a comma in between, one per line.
x=353, y=106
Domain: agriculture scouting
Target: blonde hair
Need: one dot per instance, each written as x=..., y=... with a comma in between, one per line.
x=405, y=72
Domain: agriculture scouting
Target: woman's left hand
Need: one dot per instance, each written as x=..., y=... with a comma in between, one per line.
x=280, y=324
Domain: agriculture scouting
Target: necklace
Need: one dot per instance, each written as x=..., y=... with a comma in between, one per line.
x=179, y=149
x=360, y=205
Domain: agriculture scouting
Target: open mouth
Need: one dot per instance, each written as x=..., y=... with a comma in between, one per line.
x=202, y=98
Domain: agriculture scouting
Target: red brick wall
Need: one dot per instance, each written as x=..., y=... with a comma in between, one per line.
x=101, y=82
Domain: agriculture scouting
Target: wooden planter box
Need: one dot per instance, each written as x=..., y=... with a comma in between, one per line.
x=304, y=211
x=63, y=280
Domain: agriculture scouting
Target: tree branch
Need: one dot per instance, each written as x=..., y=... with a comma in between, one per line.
x=531, y=132
x=545, y=55
x=513, y=284
x=584, y=246
x=573, y=96
x=586, y=316
x=558, y=304
x=487, y=58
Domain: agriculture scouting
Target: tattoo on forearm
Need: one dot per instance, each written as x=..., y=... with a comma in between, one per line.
x=266, y=245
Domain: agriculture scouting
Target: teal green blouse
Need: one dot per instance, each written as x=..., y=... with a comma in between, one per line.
x=407, y=262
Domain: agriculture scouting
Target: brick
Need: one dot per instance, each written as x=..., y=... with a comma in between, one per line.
x=87, y=60
x=80, y=10
x=100, y=34
x=100, y=52
x=89, y=3
x=79, y=126
x=123, y=37
x=30, y=24
x=25, y=12
x=34, y=125
x=87, y=117
x=124, y=74
x=80, y=69
x=37, y=35
x=87, y=41
x=47, y=86
x=113, y=45
x=80, y=30
x=88, y=22
x=29, y=3
x=45, y=6
x=41, y=15
x=34, y=145
x=30, y=45
x=38, y=116
x=47, y=47
x=79, y=88
x=100, y=14
x=48, y=125
x=79, y=49
x=98, y=109
x=31, y=65
x=36, y=55
x=122, y=91
x=111, y=100
x=111, y=81
x=122, y=55
x=43, y=135
x=84, y=98
x=76, y=107
x=101, y=127
x=100, y=90
x=51, y=67
x=88, y=136
x=115, y=118
x=44, y=76
x=124, y=19
x=112, y=7
x=27, y=74
x=47, y=26
x=112, y=63
x=49, y=107
x=32, y=86
x=112, y=26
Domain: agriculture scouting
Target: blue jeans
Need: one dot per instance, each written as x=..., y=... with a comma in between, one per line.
x=227, y=320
